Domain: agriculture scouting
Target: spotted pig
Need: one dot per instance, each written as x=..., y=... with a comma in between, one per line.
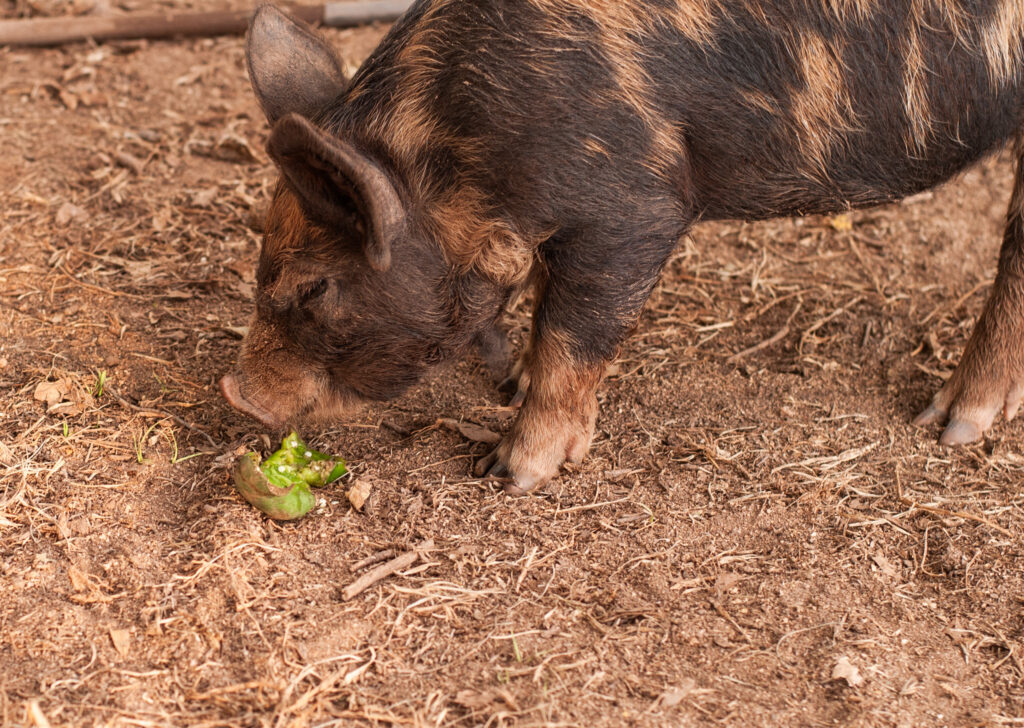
x=571, y=143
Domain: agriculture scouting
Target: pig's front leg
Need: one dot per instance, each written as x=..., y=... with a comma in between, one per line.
x=588, y=301
x=556, y=420
x=990, y=376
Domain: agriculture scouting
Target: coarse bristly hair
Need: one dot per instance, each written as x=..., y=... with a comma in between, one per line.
x=581, y=138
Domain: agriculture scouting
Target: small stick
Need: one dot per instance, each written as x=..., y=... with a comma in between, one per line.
x=157, y=413
x=97, y=289
x=373, y=559
x=773, y=339
x=728, y=618
x=955, y=514
x=529, y=563
x=590, y=506
x=228, y=689
x=54, y=31
x=39, y=718
x=385, y=570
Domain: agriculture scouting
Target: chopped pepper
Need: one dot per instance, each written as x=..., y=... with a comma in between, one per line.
x=280, y=487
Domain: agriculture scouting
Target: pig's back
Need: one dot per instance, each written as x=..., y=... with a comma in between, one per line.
x=815, y=105
x=750, y=108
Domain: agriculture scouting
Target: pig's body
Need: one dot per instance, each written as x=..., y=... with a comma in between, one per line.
x=578, y=141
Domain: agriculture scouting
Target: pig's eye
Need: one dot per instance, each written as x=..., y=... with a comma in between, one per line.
x=312, y=291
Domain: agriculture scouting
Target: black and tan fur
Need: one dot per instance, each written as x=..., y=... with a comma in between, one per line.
x=578, y=140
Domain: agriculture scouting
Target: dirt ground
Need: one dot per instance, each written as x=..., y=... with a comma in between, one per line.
x=758, y=538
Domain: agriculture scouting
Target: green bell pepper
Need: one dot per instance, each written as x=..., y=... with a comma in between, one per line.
x=280, y=487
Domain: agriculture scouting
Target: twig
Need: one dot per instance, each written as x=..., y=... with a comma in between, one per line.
x=54, y=31
x=956, y=514
x=154, y=359
x=526, y=567
x=237, y=688
x=157, y=413
x=373, y=559
x=728, y=618
x=822, y=321
x=36, y=714
x=774, y=339
x=98, y=289
x=590, y=506
x=385, y=570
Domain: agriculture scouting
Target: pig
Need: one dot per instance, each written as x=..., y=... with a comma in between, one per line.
x=571, y=143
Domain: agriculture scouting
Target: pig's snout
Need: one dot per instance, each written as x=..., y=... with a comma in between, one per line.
x=233, y=394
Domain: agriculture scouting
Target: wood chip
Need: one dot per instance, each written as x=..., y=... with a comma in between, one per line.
x=233, y=148
x=359, y=493
x=674, y=696
x=122, y=639
x=205, y=198
x=845, y=670
x=53, y=393
x=79, y=580
x=36, y=715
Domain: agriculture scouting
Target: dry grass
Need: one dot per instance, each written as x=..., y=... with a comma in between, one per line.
x=756, y=507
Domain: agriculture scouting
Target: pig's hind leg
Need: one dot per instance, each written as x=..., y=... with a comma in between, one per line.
x=990, y=376
x=588, y=300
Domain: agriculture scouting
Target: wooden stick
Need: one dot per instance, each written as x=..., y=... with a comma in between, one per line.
x=346, y=14
x=157, y=413
x=956, y=514
x=773, y=339
x=55, y=31
x=373, y=559
x=384, y=570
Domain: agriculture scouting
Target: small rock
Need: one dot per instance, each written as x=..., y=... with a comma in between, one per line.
x=69, y=212
x=204, y=198
x=130, y=161
x=674, y=696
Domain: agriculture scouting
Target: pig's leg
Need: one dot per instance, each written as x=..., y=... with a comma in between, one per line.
x=517, y=384
x=588, y=302
x=990, y=376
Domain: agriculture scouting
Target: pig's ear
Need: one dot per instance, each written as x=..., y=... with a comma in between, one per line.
x=329, y=175
x=291, y=68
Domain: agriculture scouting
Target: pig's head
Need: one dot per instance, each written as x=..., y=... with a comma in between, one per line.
x=352, y=302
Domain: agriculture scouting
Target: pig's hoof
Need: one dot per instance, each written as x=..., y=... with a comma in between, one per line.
x=491, y=466
x=960, y=433
x=960, y=430
x=531, y=454
x=528, y=473
x=517, y=384
x=966, y=420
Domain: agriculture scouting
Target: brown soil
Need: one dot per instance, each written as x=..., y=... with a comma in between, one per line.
x=742, y=530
